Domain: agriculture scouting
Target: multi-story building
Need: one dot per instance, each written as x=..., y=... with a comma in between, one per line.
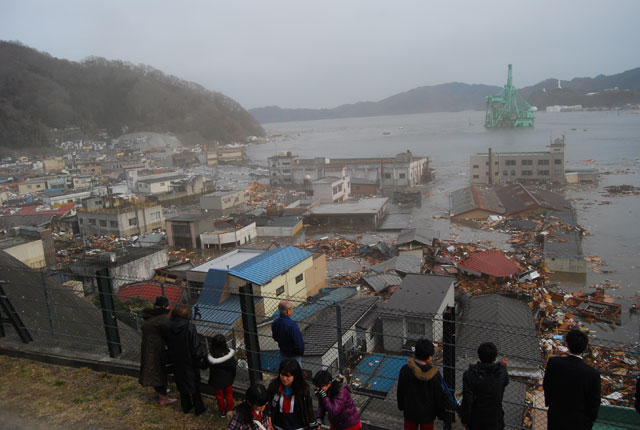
x=122, y=221
x=509, y=167
x=402, y=171
x=330, y=189
x=222, y=203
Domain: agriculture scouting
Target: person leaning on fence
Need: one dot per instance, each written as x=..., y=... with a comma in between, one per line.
x=571, y=387
x=334, y=400
x=154, y=327
x=483, y=386
x=420, y=395
x=251, y=414
x=286, y=332
x=222, y=372
x=290, y=404
x=186, y=351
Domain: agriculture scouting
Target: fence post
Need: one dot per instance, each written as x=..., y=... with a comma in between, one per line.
x=251, y=343
x=46, y=301
x=449, y=355
x=339, y=334
x=12, y=317
x=105, y=292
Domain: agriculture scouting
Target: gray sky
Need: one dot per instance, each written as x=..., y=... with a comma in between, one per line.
x=326, y=53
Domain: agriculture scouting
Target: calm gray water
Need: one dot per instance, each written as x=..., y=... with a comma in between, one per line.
x=612, y=139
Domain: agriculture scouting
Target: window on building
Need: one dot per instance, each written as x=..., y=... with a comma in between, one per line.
x=274, y=174
x=286, y=163
x=285, y=171
x=543, y=162
x=505, y=173
x=92, y=221
x=155, y=216
x=416, y=328
x=497, y=173
x=114, y=224
x=557, y=161
x=299, y=278
x=513, y=173
x=476, y=176
x=103, y=223
x=402, y=176
x=476, y=166
x=543, y=173
x=510, y=162
x=527, y=162
x=280, y=290
x=527, y=173
x=133, y=221
x=387, y=175
x=81, y=221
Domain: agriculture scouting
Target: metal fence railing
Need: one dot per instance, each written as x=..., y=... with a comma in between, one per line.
x=344, y=330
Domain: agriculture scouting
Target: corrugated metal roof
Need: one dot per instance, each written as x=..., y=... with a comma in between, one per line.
x=471, y=198
x=492, y=262
x=263, y=268
x=419, y=294
x=383, y=280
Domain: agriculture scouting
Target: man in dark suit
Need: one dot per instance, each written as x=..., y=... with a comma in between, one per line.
x=571, y=387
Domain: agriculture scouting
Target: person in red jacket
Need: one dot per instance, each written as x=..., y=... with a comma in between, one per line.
x=334, y=400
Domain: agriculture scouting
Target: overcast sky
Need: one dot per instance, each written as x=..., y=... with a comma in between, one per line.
x=327, y=53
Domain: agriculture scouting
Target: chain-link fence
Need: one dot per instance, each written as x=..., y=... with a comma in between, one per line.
x=368, y=338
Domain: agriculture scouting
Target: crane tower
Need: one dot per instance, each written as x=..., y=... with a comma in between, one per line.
x=507, y=109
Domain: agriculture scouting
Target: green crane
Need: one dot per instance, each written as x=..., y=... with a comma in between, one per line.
x=507, y=109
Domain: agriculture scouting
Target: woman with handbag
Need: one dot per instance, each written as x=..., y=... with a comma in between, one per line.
x=186, y=352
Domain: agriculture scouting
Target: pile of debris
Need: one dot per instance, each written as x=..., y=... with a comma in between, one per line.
x=621, y=190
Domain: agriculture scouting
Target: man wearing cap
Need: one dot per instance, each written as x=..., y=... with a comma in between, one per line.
x=420, y=396
x=152, y=374
x=286, y=332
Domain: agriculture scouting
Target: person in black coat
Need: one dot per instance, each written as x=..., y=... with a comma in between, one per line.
x=222, y=372
x=420, y=395
x=154, y=328
x=571, y=387
x=186, y=352
x=482, y=390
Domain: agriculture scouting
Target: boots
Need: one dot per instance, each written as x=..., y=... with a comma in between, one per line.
x=164, y=400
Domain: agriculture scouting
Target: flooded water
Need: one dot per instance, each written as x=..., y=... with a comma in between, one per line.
x=611, y=139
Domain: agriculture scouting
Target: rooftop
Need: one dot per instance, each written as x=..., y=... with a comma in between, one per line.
x=229, y=260
x=150, y=292
x=264, y=267
x=163, y=179
x=418, y=294
x=363, y=206
x=492, y=262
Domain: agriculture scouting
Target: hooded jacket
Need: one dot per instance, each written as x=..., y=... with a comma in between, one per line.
x=482, y=390
x=341, y=409
x=420, y=395
x=185, y=351
x=222, y=370
x=154, y=328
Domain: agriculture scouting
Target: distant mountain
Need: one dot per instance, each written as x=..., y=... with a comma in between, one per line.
x=39, y=93
x=439, y=98
x=458, y=96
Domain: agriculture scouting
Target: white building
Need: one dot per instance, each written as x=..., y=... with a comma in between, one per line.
x=508, y=167
x=331, y=189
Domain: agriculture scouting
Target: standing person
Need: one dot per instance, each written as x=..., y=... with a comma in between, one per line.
x=571, y=387
x=250, y=414
x=290, y=406
x=186, y=351
x=420, y=395
x=286, y=332
x=222, y=372
x=482, y=390
x=154, y=327
x=335, y=400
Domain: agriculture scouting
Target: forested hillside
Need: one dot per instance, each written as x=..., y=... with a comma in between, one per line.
x=39, y=92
